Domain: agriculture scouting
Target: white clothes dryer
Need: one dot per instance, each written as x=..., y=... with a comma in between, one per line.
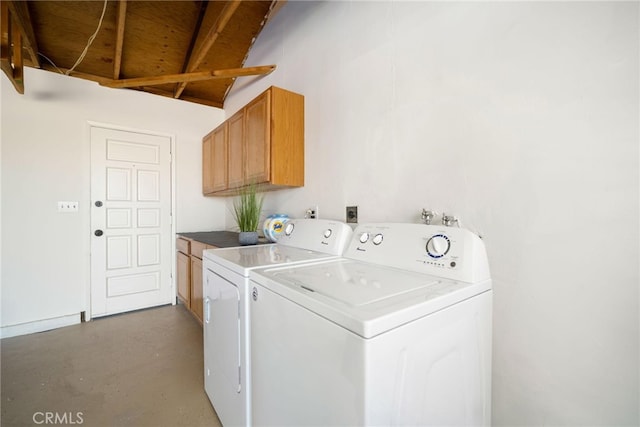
x=226, y=321
x=395, y=332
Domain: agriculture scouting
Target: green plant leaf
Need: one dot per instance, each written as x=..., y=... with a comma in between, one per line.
x=247, y=208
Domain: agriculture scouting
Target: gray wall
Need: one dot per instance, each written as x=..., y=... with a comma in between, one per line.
x=522, y=119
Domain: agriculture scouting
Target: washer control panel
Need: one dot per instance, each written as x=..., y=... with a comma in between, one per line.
x=432, y=249
x=316, y=234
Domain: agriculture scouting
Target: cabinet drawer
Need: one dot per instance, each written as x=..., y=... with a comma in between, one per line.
x=183, y=245
x=198, y=247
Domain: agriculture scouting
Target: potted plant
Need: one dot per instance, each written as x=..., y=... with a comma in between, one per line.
x=246, y=211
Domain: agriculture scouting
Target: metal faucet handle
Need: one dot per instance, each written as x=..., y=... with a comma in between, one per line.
x=449, y=220
x=427, y=216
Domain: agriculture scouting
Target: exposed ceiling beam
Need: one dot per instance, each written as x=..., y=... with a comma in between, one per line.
x=78, y=74
x=273, y=10
x=194, y=36
x=154, y=90
x=190, y=77
x=20, y=12
x=117, y=59
x=11, y=48
x=210, y=39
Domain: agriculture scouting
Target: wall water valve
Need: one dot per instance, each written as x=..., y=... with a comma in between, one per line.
x=427, y=216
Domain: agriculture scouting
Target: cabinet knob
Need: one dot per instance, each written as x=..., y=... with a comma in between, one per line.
x=98, y=233
x=98, y=203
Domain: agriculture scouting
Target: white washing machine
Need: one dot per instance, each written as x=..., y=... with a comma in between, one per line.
x=395, y=332
x=226, y=320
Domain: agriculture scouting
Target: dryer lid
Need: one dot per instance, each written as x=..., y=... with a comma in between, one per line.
x=244, y=258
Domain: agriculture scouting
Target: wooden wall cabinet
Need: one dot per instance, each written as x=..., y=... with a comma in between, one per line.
x=214, y=153
x=264, y=145
x=189, y=274
x=235, y=144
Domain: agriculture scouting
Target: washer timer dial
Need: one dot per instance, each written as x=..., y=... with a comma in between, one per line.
x=438, y=246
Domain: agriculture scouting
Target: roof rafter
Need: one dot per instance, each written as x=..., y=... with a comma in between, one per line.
x=196, y=32
x=211, y=37
x=190, y=77
x=122, y=15
x=20, y=13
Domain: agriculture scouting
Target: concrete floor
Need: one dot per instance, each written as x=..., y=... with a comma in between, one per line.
x=138, y=369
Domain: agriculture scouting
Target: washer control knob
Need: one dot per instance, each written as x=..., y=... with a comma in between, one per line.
x=364, y=237
x=377, y=239
x=438, y=246
x=327, y=233
x=288, y=229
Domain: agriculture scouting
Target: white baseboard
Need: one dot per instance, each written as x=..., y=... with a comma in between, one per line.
x=39, y=326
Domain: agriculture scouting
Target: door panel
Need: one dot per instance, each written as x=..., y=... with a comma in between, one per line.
x=148, y=186
x=222, y=348
x=118, y=252
x=118, y=218
x=132, y=284
x=118, y=184
x=131, y=251
x=148, y=218
x=148, y=249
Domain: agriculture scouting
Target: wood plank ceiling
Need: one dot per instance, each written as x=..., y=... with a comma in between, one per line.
x=190, y=50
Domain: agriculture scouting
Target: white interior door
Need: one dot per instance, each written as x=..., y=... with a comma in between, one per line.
x=130, y=221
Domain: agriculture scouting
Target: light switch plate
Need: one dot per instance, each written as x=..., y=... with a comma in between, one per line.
x=67, y=206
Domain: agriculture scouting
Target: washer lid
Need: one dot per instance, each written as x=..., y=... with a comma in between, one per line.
x=352, y=284
x=367, y=299
x=244, y=258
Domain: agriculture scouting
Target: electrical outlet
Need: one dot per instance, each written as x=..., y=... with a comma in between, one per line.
x=312, y=212
x=67, y=206
x=352, y=214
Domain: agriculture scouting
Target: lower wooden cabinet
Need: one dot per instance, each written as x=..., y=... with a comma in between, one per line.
x=189, y=274
x=184, y=278
x=196, y=287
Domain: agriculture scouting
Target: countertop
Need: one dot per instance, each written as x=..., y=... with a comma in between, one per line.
x=220, y=239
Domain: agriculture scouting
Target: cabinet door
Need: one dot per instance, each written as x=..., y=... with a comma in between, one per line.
x=214, y=161
x=257, y=139
x=236, y=150
x=184, y=278
x=196, y=287
x=207, y=164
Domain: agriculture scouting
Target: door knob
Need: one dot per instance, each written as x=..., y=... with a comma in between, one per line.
x=98, y=233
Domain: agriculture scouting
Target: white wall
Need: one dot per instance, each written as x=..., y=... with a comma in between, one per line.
x=45, y=158
x=522, y=119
